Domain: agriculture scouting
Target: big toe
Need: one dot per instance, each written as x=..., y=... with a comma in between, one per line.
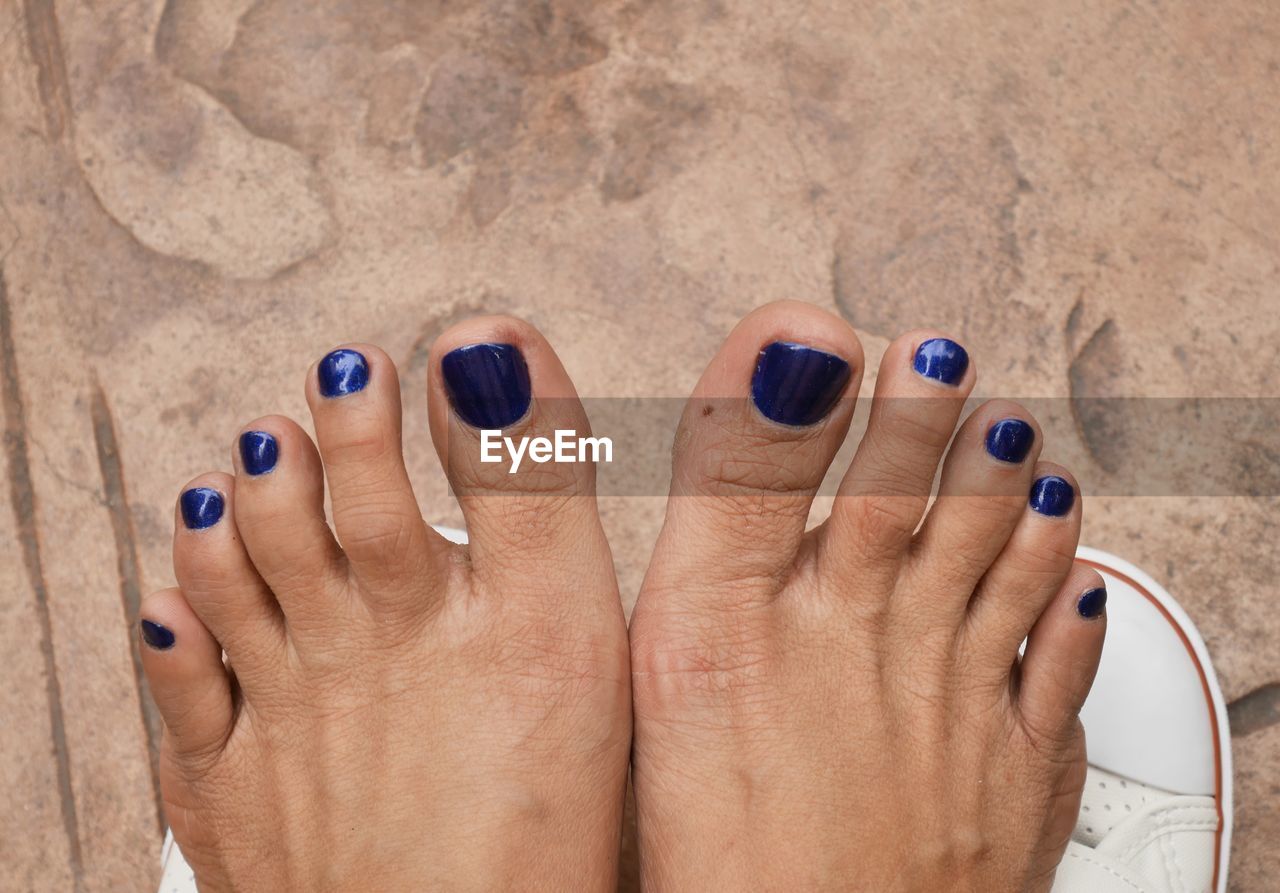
x=518, y=449
x=753, y=445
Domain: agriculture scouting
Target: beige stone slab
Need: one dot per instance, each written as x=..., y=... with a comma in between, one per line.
x=1257, y=820
x=35, y=816
x=75, y=477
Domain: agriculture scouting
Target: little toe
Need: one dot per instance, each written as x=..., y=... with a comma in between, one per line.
x=923, y=382
x=354, y=395
x=219, y=580
x=1028, y=572
x=517, y=447
x=754, y=443
x=184, y=670
x=981, y=497
x=279, y=511
x=1062, y=655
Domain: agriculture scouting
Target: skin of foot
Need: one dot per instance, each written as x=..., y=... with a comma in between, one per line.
x=846, y=708
x=396, y=712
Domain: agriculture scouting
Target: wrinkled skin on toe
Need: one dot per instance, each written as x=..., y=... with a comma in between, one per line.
x=397, y=712
x=846, y=708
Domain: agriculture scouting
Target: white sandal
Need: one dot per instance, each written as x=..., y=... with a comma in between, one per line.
x=1156, y=814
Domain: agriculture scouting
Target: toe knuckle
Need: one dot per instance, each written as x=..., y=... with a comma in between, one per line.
x=1052, y=737
x=468, y=475
x=384, y=533
x=897, y=466
x=913, y=427
x=1056, y=553
x=877, y=517
x=365, y=448
x=760, y=466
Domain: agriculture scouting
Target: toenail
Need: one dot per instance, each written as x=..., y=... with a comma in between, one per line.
x=201, y=507
x=797, y=385
x=488, y=384
x=343, y=372
x=161, y=638
x=1052, y=495
x=1092, y=603
x=258, y=452
x=941, y=359
x=1009, y=440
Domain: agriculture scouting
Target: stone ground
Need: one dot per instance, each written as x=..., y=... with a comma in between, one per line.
x=200, y=197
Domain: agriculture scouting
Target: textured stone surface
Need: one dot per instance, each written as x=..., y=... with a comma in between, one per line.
x=201, y=196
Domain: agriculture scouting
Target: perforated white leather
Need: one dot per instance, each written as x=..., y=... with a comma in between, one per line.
x=1107, y=801
x=1132, y=837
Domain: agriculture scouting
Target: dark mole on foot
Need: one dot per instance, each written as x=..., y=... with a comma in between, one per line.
x=708, y=409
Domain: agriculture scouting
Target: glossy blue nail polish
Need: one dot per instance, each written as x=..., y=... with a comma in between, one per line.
x=1052, y=495
x=201, y=507
x=797, y=385
x=343, y=372
x=1009, y=440
x=488, y=384
x=941, y=359
x=1092, y=603
x=161, y=638
x=258, y=452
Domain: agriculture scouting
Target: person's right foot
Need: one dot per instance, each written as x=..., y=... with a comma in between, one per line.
x=846, y=708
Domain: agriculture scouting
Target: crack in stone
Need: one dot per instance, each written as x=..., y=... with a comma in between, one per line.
x=1255, y=711
x=22, y=496
x=129, y=572
x=46, y=50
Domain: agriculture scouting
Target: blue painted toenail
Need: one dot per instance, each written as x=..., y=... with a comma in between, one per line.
x=1052, y=495
x=941, y=359
x=258, y=452
x=343, y=372
x=1009, y=440
x=488, y=384
x=1092, y=603
x=797, y=385
x=158, y=637
x=201, y=507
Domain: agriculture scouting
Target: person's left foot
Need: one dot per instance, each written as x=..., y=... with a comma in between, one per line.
x=399, y=713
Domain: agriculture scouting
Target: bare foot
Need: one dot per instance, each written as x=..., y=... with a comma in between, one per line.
x=400, y=713
x=846, y=708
